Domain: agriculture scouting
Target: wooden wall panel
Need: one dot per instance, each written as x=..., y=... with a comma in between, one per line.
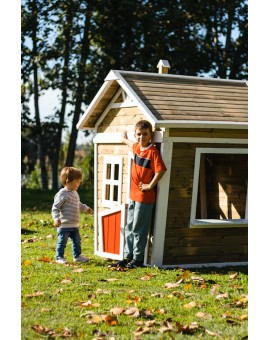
x=186, y=245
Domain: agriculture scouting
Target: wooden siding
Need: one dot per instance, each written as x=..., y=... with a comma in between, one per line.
x=209, y=133
x=194, y=246
x=176, y=98
x=120, y=119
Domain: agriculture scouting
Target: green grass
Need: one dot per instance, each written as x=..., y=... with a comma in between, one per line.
x=163, y=313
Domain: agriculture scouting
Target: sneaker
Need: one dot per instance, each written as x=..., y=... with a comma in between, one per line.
x=133, y=264
x=121, y=263
x=81, y=258
x=61, y=260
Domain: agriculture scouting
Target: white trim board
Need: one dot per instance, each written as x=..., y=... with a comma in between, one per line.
x=201, y=124
x=93, y=104
x=111, y=76
x=116, y=137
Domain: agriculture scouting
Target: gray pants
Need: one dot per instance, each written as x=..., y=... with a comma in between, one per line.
x=137, y=228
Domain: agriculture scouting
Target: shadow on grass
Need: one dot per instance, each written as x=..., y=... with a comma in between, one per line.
x=27, y=232
x=212, y=270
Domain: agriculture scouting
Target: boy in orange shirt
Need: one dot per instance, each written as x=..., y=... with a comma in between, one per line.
x=147, y=169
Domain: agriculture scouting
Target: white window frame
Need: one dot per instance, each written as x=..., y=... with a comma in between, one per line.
x=213, y=223
x=112, y=160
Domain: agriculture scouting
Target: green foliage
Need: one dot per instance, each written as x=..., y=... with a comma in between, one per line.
x=53, y=294
x=34, y=179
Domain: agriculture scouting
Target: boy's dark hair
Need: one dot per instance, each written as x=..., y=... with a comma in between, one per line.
x=69, y=173
x=143, y=124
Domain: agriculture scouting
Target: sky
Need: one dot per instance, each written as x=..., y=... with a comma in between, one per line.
x=47, y=102
x=259, y=168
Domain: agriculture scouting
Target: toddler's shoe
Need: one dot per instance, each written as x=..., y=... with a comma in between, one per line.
x=81, y=259
x=61, y=260
x=133, y=264
x=121, y=263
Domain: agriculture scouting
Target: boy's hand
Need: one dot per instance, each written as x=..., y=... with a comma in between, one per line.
x=90, y=211
x=57, y=223
x=144, y=187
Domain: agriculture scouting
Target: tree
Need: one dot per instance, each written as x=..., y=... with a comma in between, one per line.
x=32, y=14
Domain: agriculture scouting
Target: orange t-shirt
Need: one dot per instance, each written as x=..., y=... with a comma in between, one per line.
x=145, y=165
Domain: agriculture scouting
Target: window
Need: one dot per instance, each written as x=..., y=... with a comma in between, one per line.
x=112, y=181
x=220, y=184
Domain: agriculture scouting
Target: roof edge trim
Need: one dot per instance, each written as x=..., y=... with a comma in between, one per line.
x=244, y=82
x=122, y=82
x=201, y=124
x=93, y=104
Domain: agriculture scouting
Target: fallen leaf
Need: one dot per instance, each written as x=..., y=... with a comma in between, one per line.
x=117, y=310
x=187, y=329
x=243, y=317
x=45, y=259
x=214, y=289
x=29, y=296
x=132, y=312
x=27, y=263
x=103, y=291
x=188, y=286
x=172, y=285
x=45, y=310
x=166, y=327
x=203, y=315
x=197, y=279
x=190, y=305
x=212, y=333
x=49, y=236
x=222, y=296
x=111, y=320
x=185, y=275
x=141, y=330
x=66, y=281
x=160, y=295
x=79, y=270
x=233, y=276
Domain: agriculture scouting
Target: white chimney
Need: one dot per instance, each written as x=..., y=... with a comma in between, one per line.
x=163, y=66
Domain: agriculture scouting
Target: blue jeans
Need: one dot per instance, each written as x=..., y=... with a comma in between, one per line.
x=63, y=235
x=136, y=231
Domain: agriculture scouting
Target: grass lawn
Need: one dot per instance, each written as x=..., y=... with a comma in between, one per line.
x=90, y=301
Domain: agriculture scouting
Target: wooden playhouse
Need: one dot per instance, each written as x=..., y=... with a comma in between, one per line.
x=202, y=133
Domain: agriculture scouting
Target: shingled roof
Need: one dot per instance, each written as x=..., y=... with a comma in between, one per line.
x=173, y=100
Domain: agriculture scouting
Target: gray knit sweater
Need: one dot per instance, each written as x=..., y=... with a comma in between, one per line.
x=66, y=207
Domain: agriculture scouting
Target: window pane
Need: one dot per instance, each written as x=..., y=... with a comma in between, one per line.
x=107, y=192
x=115, y=193
x=116, y=171
x=108, y=171
x=222, y=187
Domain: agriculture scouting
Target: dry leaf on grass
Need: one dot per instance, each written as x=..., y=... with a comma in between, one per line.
x=79, y=270
x=132, y=312
x=212, y=333
x=222, y=296
x=203, y=315
x=141, y=330
x=117, y=310
x=45, y=259
x=27, y=263
x=66, y=281
x=29, y=296
x=188, y=329
x=190, y=305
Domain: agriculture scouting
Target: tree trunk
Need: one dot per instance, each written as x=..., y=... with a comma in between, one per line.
x=44, y=178
x=55, y=162
x=80, y=87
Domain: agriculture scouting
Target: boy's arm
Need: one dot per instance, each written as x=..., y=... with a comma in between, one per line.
x=127, y=141
x=153, y=183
